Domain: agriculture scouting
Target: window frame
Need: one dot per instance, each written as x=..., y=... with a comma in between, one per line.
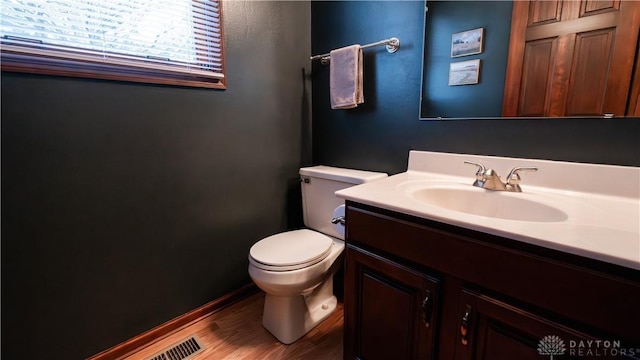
x=45, y=65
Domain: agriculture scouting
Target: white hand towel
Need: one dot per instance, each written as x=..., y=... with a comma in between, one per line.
x=345, y=77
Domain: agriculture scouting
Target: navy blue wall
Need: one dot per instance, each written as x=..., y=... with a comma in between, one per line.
x=379, y=134
x=125, y=205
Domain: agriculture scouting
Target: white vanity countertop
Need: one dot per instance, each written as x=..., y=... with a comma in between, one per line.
x=600, y=204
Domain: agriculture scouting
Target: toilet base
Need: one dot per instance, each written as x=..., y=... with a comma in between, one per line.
x=288, y=318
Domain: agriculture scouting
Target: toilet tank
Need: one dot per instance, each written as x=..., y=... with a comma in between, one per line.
x=319, y=183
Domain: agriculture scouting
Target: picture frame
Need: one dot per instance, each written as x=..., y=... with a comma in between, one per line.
x=468, y=42
x=464, y=72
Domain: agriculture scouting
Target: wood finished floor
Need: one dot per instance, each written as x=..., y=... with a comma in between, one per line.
x=236, y=332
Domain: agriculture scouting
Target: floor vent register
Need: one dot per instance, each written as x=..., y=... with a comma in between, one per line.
x=181, y=351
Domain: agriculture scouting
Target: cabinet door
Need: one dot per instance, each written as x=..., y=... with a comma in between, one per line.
x=492, y=330
x=571, y=58
x=389, y=309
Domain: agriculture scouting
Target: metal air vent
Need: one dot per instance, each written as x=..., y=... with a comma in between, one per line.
x=181, y=351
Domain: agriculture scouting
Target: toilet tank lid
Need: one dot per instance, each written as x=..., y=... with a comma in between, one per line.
x=350, y=176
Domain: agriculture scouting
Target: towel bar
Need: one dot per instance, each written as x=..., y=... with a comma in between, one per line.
x=392, y=45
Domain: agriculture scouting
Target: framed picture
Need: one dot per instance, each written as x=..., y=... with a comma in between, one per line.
x=467, y=42
x=464, y=72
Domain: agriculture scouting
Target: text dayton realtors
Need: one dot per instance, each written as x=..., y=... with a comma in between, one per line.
x=600, y=348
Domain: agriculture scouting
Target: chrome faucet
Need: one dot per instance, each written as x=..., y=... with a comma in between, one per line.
x=490, y=180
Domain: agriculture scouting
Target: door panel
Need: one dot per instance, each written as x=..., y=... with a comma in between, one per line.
x=498, y=331
x=536, y=83
x=389, y=309
x=543, y=12
x=379, y=324
x=589, y=72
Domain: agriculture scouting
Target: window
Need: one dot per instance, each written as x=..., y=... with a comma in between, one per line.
x=176, y=42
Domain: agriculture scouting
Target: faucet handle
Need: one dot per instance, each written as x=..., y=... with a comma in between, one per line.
x=513, y=179
x=481, y=168
x=479, y=174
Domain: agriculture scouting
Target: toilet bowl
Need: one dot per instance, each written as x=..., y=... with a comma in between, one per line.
x=299, y=296
x=295, y=268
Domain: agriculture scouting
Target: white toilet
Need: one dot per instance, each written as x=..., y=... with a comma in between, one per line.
x=295, y=268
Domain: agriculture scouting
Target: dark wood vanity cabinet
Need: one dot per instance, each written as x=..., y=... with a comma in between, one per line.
x=419, y=289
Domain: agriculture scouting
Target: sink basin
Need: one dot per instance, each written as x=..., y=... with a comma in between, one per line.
x=487, y=203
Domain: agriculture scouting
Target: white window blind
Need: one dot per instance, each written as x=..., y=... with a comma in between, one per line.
x=183, y=37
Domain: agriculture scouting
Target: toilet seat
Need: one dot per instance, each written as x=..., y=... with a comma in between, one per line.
x=290, y=250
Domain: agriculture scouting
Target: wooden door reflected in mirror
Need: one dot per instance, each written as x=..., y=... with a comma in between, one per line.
x=572, y=58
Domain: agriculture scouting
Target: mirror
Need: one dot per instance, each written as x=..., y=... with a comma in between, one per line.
x=483, y=98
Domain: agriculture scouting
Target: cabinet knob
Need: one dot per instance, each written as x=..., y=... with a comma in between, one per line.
x=426, y=309
x=464, y=326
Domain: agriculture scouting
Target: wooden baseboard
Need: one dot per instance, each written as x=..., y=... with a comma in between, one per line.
x=126, y=348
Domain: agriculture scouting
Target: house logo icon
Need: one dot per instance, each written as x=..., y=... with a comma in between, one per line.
x=551, y=345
